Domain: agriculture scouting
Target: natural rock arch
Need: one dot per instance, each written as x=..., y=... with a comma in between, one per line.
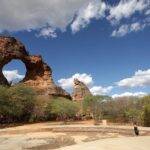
x=38, y=74
x=14, y=71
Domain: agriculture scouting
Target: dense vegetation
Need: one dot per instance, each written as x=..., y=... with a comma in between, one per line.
x=16, y=103
x=62, y=108
x=92, y=107
x=121, y=110
x=21, y=104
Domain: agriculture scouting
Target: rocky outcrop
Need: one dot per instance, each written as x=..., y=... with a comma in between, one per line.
x=38, y=74
x=80, y=90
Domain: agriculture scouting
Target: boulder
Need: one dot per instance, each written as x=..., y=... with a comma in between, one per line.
x=38, y=74
x=80, y=90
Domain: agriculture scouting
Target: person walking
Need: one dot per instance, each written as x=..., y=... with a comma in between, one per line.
x=136, y=130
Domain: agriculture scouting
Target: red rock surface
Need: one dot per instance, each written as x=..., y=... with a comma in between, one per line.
x=38, y=75
x=80, y=90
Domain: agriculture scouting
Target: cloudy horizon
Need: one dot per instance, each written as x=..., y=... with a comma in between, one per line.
x=67, y=83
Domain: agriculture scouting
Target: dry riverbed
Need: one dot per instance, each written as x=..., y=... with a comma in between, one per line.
x=45, y=136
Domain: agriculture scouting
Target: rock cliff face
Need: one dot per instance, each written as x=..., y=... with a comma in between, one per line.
x=80, y=90
x=38, y=75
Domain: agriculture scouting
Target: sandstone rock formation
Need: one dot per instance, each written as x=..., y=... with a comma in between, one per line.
x=38, y=75
x=80, y=90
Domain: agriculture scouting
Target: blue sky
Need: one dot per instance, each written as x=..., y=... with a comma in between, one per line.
x=106, y=43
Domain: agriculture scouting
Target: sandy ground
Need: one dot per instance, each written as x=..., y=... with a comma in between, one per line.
x=124, y=143
x=45, y=136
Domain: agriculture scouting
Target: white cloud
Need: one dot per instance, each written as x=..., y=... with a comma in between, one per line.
x=49, y=16
x=136, y=26
x=17, y=15
x=126, y=8
x=47, y=32
x=12, y=75
x=128, y=28
x=123, y=30
x=147, y=12
x=140, y=79
x=99, y=90
x=129, y=94
x=95, y=9
x=67, y=83
x=88, y=80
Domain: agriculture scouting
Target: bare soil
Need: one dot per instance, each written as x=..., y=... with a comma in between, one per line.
x=52, y=135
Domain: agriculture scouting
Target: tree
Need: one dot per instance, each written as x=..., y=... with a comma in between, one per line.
x=25, y=98
x=146, y=115
x=145, y=100
x=133, y=115
x=62, y=108
x=124, y=109
x=5, y=104
x=92, y=105
x=16, y=103
x=39, y=111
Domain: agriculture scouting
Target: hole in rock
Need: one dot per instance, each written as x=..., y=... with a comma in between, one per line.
x=14, y=71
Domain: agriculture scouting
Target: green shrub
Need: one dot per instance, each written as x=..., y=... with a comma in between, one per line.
x=62, y=108
x=145, y=100
x=92, y=106
x=16, y=103
x=39, y=111
x=146, y=115
x=133, y=115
